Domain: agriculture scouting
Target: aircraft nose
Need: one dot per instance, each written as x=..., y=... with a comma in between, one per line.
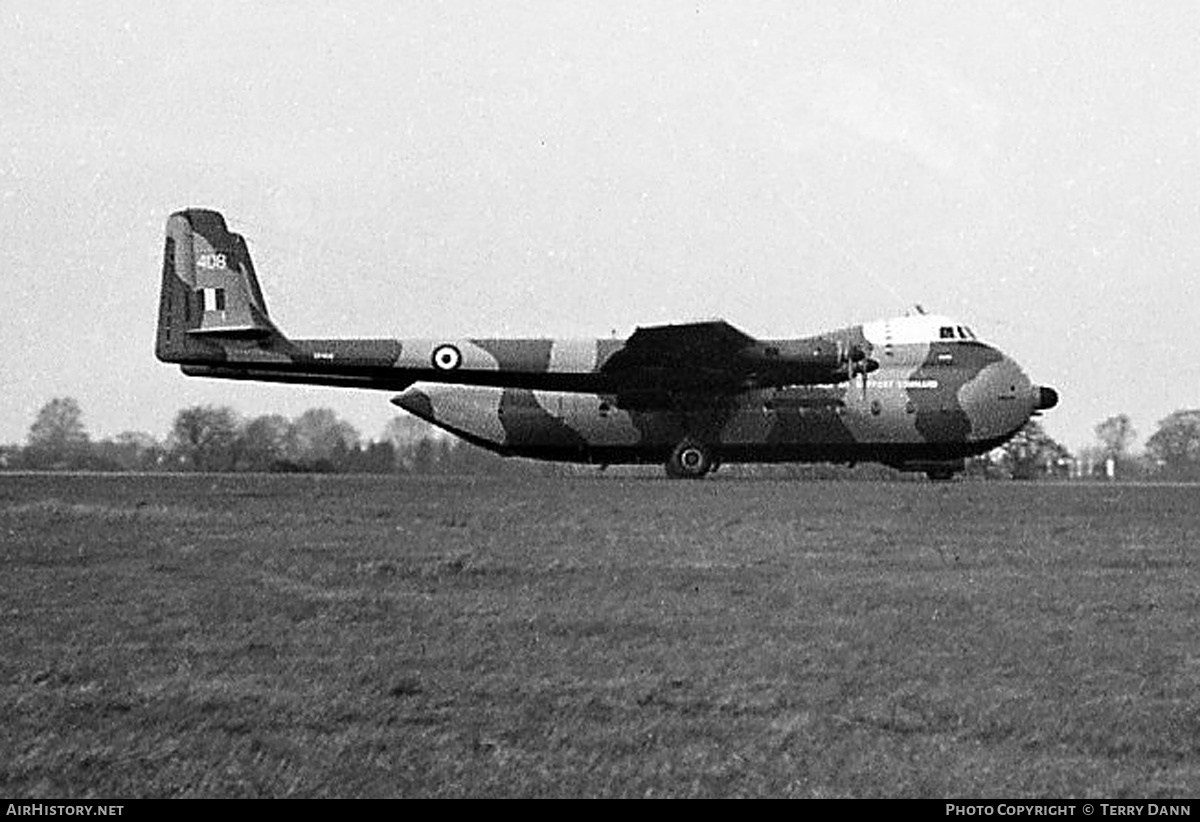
x=1045, y=398
x=995, y=400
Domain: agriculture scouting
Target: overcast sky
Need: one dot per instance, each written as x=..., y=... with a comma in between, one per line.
x=557, y=168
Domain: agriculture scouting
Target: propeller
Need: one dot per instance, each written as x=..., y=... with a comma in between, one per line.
x=856, y=363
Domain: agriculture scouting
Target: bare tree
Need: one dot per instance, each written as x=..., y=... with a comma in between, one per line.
x=128, y=451
x=323, y=440
x=266, y=443
x=416, y=444
x=1175, y=446
x=1116, y=435
x=204, y=437
x=57, y=438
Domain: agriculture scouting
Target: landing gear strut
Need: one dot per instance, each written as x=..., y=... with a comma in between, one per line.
x=690, y=460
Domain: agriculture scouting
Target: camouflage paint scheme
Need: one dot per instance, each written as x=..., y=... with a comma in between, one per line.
x=917, y=392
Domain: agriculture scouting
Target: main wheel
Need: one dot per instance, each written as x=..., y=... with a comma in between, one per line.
x=689, y=460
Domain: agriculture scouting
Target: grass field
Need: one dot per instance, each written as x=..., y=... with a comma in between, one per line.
x=333, y=636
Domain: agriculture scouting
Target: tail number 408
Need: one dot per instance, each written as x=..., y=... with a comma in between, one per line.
x=211, y=261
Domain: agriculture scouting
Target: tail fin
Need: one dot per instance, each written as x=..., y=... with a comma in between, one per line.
x=210, y=296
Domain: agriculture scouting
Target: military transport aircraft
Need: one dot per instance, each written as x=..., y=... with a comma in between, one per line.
x=919, y=393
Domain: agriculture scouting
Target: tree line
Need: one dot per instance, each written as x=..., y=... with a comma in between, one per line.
x=216, y=438
x=1172, y=452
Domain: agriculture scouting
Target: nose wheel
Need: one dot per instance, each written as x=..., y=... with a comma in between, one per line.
x=690, y=460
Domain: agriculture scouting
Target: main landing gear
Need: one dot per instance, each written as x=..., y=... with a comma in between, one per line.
x=690, y=460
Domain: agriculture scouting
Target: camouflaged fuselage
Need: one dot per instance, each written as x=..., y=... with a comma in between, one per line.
x=926, y=402
x=909, y=391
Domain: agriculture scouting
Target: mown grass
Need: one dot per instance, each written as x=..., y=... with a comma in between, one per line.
x=332, y=636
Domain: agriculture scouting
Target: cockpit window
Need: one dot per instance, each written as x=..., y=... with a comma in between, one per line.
x=947, y=332
x=962, y=333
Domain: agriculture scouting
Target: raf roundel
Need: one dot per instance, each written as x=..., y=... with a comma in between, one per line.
x=446, y=358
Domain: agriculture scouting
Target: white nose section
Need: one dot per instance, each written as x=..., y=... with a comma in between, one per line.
x=997, y=400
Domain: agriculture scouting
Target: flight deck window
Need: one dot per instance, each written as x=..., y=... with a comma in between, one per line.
x=947, y=333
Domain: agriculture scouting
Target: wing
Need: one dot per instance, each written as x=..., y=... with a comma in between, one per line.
x=714, y=358
x=714, y=346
